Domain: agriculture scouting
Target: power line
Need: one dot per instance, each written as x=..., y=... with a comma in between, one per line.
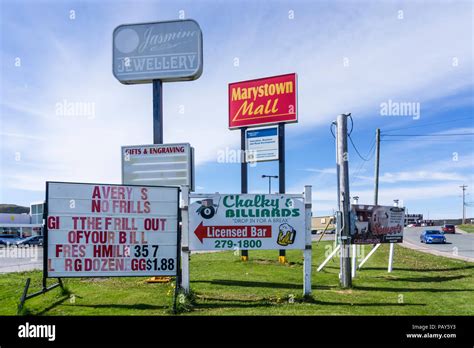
x=426, y=135
x=430, y=123
x=330, y=128
x=371, y=152
x=463, y=187
x=357, y=151
x=429, y=140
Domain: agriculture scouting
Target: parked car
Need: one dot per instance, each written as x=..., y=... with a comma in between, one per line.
x=448, y=229
x=34, y=240
x=8, y=239
x=432, y=236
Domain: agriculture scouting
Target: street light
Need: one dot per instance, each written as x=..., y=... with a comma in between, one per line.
x=395, y=202
x=356, y=199
x=270, y=177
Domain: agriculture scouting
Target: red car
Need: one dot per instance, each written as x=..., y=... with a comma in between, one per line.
x=448, y=229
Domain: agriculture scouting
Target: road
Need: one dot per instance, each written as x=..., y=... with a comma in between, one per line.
x=459, y=245
x=20, y=259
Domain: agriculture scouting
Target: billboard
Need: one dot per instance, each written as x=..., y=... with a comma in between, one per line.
x=247, y=221
x=261, y=144
x=263, y=101
x=166, y=51
x=97, y=230
x=161, y=165
x=377, y=224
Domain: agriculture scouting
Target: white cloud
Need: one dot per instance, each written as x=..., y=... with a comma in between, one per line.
x=322, y=171
x=387, y=58
x=412, y=176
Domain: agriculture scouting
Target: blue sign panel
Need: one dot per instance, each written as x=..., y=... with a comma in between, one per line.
x=261, y=144
x=167, y=51
x=266, y=132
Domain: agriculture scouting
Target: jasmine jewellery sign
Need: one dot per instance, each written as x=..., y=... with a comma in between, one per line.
x=166, y=51
x=247, y=221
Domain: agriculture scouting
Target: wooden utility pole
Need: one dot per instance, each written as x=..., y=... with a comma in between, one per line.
x=344, y=207
x=377, y=165
x=463, y=187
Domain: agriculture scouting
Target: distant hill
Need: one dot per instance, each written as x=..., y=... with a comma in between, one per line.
x=13, y=209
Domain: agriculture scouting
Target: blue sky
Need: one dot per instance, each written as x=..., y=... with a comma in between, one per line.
x=350, y=56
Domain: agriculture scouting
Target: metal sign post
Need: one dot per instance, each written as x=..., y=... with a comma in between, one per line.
x=157, y=112
x=281, y=174
x=185, y=253
x=244, y=254
x=308, y=247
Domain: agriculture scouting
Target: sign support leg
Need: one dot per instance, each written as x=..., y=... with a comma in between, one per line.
x=244, y=254
x=369, y=255
x=178, y=280
x=331, y=255
x=281, y=174
x=390, y=258
x=307, y=251
x=185, y=254
x=44, y=290
x=354, y=260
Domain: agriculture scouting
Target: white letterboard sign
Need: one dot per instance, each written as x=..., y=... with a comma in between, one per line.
x=162, y=165
x=96, y=230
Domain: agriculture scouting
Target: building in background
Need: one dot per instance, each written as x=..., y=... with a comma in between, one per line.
x=413, y=219
x=319, y=223
x=36, y=212
x=23, y=225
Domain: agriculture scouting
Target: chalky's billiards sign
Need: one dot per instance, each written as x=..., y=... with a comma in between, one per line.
x=247, y=221
x=103, y=230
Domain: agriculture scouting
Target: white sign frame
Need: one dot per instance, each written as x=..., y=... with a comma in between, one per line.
x=138, y=273
x=186, y=231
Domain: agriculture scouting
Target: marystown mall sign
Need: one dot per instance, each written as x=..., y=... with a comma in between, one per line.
x=263, y=101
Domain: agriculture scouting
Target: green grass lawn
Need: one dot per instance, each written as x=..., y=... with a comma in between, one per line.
x=467, y=228
x=420, y=284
